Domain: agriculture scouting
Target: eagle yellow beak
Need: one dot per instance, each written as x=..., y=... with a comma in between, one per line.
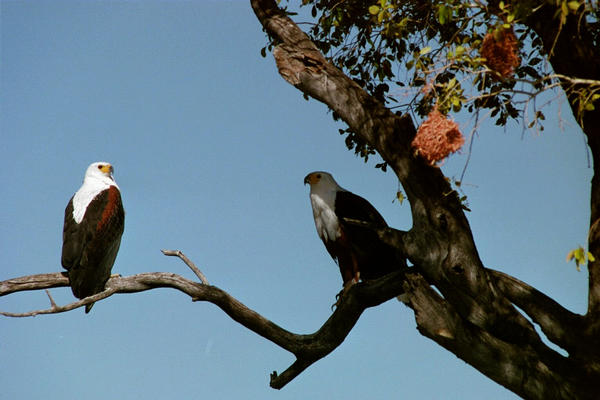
x=107, y=169
x=312, y=178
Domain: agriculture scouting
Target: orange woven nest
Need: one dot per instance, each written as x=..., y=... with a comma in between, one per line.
x=437, y=137
x=501, y=51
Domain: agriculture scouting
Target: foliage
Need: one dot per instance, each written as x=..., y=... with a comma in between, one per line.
x=580, y=256
x=414, y=55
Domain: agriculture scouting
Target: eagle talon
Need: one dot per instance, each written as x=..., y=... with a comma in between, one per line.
x=340, y=295
x=338, y=299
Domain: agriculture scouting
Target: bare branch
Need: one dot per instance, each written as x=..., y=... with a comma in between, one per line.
x=55, y=309
x=307, y=348
x=52, y=302
x=188, y=262
x=34, y=282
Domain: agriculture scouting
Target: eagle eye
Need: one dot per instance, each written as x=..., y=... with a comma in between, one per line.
x=100, y=166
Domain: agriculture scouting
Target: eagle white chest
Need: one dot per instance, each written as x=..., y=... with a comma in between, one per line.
x=326, y=222
x=86, y=193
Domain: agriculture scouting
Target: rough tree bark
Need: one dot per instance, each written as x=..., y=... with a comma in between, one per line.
x=475, y=317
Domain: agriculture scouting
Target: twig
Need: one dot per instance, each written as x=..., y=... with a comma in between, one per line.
x=188, y=262
x=52, y=302
x=55, y=309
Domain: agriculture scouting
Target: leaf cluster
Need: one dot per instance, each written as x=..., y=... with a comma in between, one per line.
x=414, y=55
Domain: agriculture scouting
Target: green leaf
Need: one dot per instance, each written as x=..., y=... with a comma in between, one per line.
x=459, y=51
x=578, y=253
x=374, y=10
x=589, y=107
x=444, y=14
x=590, y=257
x=510, y=18
x=425, y=50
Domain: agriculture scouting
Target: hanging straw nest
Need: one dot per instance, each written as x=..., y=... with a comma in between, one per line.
x=437, y=137
x=501, y=51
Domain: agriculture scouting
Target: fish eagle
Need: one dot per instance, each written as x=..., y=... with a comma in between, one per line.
x=94, y=222
x=358, y=250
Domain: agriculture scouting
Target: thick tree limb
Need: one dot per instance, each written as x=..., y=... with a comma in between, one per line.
x=308, y=348
x=560, y=325
x=548, y=377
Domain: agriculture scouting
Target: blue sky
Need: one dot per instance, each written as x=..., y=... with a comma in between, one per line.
x=210, y=147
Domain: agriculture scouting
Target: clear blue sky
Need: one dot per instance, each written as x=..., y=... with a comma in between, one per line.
x=210, y=147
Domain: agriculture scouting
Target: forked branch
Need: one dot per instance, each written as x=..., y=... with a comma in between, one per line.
x=307, y=348
x=188, y=262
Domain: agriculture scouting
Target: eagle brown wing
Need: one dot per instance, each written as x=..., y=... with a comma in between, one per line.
x=373, y=257
x=350, y=205
x=72, y=240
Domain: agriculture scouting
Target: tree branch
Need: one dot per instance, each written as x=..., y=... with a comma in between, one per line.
x=34, y=282
x=307, y=348
x=533, y=372
x=188, y=262
x=560, y=325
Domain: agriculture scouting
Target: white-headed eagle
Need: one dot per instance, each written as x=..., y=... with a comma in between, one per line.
x=94, y=223
x=358, y=250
